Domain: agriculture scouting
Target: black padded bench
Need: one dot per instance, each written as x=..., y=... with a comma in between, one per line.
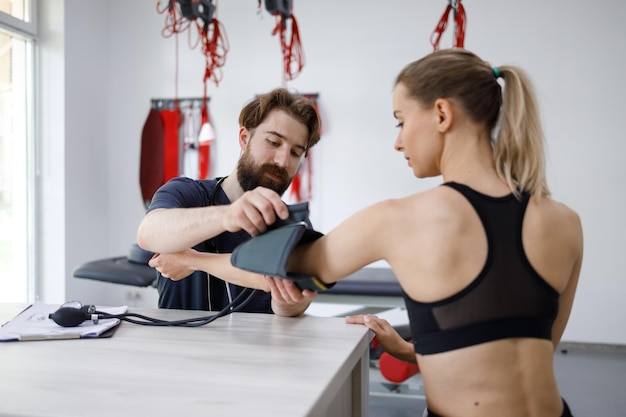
x=127, y=270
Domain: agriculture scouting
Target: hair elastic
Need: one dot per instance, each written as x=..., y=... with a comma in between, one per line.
x=496, y=72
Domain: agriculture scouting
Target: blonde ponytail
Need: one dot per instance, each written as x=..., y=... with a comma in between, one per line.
x=519, y=143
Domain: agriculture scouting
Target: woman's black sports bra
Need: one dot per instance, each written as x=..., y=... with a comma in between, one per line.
x=507, y=299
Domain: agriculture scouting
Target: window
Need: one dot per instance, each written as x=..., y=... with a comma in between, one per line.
x=17, y=172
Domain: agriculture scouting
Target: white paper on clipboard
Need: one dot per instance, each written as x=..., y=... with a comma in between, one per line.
x=33, y=323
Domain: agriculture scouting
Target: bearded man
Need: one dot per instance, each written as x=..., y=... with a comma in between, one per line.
x=188, y=218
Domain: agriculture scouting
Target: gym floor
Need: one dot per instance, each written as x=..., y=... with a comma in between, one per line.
x=591, y=379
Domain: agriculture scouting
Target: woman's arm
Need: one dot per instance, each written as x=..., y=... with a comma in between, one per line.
x=566, y=299
x=360, y=240
x=389, y=339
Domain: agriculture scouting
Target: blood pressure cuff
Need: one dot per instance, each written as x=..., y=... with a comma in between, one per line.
x=269, y=252
x=298, y=212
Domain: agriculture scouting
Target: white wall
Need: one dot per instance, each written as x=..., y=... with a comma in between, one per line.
x=116, y=60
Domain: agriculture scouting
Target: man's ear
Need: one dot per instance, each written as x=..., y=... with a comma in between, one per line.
x=444, y=114
x=244, y=137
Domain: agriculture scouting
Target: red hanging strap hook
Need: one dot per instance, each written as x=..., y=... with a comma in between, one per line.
x=174, y=20
x=214, y=47
x=459, y=30
x=201, y=14
x=293, y=54
x=459, y=18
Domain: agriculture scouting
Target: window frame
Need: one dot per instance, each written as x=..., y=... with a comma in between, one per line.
x=27, y=30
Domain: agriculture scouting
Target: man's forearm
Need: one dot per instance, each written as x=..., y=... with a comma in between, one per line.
x=175, y=230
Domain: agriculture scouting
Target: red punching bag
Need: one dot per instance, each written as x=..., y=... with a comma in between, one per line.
x=151, y=161
x=171, y=122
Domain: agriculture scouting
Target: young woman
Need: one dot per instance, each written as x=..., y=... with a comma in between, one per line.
x=488, y=261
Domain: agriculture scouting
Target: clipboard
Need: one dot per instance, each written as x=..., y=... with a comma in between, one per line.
x=33, y=323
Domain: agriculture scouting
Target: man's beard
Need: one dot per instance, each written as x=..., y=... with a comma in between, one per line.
x=251, y=176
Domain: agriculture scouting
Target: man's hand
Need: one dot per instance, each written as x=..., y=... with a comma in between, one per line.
x=254, y=211
x=174, y=266
x=390, y=340
x=287, y=298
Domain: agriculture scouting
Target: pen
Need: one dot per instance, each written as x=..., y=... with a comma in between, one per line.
x=56, y=336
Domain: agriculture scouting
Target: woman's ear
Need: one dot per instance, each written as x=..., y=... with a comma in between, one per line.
x=444, y=114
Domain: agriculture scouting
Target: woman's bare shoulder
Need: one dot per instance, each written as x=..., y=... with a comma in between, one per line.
x=557, y=224
x=551, y=211
x=436, y=199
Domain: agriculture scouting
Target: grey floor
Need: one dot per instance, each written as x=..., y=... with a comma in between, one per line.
x=591, y=378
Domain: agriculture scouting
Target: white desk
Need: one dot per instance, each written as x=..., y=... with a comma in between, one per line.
x=239, y=365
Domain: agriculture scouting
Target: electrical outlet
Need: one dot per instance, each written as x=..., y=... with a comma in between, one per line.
x=133, y=295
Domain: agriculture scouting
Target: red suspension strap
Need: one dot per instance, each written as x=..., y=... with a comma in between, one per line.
x=175, y=23
x=214, y=47
x=174, y=20
x=293, y=54
x=459, y=18
x=182, y=15
x=201, y=15
x=301, y=188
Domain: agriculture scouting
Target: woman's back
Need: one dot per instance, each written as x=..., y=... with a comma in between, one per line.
x=489, y=275
x=441, y=251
